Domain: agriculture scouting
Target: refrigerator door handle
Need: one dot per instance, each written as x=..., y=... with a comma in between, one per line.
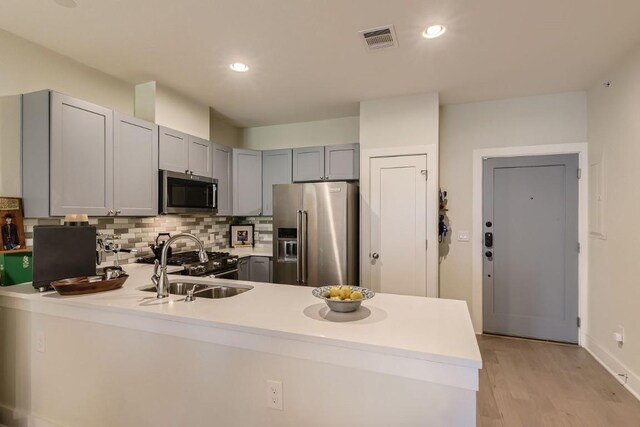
x=298, y=246
x=304, y=247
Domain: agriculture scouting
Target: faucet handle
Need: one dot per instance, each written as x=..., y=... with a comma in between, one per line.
x=202, y=254
x=190, y=297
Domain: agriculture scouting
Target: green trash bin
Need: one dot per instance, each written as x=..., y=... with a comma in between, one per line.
x=16, y=267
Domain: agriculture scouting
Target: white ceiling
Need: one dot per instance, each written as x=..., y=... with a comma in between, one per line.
x=307, y=62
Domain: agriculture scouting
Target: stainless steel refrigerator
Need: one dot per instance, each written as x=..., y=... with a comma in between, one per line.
x=315, y=234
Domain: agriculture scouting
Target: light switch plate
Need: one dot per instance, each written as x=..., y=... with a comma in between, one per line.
x=463, y=236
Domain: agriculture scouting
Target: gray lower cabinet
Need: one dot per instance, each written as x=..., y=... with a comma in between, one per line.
x=221, y=170
x=276, y=169
x=135, y=166
x=327, y=163
x=308, y=164
x=78, y=157
x=259, y=270
x=243, y=269
x=247, y=182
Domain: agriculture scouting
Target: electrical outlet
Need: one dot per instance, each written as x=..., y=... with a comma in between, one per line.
x=274, y=395
x=41, y=342
x=618, y=335
x=463, y=236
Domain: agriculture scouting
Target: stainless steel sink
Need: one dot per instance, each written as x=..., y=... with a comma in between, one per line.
x=219, y=292
x=200, y=290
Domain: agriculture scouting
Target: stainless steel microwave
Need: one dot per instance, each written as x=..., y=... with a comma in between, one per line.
x=187, y=193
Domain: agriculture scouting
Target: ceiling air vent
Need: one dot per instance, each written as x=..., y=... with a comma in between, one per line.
x=379, y=38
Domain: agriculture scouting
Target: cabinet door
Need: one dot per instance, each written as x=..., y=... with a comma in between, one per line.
x=342, y=162
x=200, y=156
x=259, y=269
x=243, y=269
x=247, y=182
x=221, y=170
x=308, y=164
x=173, y=150
x=135, y=166
x=276, y=169
x=81, y=157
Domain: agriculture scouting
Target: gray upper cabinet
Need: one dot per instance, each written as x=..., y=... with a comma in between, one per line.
x=327, y=163
x=221, y=169
x=183, y=153
x=78, y=157
x=200, y=152
x=135, y=166
x=81, y=157
x=342, y=162
x=308, y=164
x=247, y=182
x=174, y=150
x=276, y=169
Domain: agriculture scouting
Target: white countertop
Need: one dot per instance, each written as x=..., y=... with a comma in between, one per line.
x=412, y=328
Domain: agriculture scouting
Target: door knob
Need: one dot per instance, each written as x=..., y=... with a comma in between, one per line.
x=375, y=255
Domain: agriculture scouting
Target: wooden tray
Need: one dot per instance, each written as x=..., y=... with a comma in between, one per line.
x=87, y=285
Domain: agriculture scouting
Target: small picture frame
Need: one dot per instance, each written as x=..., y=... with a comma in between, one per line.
x=241, y=235
x=11, y=225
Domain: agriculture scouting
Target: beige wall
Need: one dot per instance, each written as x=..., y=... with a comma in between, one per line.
x=400, y=121
x=10, y=179
x=614, y=291
x=537, y=120
x=223, y=131
x=305, y=134
x=27, y=67
x=181, y=113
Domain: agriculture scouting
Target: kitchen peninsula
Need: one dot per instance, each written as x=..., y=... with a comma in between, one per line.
x=126, y=358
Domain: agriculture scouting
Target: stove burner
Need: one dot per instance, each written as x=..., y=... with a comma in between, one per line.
x=219, y=262
x=182, y=258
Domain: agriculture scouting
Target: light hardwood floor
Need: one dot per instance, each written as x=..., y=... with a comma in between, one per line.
x=531, y=383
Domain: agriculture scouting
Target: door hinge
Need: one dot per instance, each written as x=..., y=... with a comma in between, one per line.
x=578, y=321
x=578, y=247
x=579, y=173
x=426, y=244
x=425, y=173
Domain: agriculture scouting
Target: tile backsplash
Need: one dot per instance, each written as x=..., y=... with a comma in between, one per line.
x=138, y=233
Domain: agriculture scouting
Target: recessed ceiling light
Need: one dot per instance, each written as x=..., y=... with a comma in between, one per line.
x=239, y=67
x=66, y=3
x=433, y=31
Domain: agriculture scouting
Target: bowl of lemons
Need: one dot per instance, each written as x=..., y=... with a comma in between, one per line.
x=343, y=298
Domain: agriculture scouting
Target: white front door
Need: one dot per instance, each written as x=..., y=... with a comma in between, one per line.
x=398, y=258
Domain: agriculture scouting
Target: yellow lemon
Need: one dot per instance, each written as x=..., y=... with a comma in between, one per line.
x=345, y=292
x=356, y=295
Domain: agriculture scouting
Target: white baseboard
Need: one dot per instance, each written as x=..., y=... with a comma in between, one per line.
x=614, y=366
x=12, y=417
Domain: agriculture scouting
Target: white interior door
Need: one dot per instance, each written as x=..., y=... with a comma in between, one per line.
x=398, y=200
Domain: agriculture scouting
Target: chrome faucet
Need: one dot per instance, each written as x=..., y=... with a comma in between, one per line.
x=159, y=278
